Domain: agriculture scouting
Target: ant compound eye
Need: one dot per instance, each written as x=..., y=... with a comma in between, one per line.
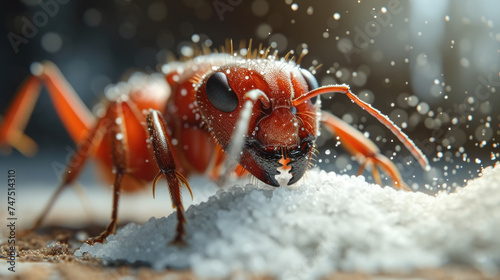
x=312, y=83
x=220, y=93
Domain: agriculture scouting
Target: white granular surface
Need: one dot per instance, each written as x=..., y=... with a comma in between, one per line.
x=329, y=223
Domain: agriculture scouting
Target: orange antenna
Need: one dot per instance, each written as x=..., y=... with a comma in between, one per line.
x=415, y=151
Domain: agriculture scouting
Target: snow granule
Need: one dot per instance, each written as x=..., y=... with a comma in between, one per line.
x=328, y=223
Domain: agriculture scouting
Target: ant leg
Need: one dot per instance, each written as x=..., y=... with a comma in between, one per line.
x=75, y=165
x=375, y=172
x=16, y=118
x=165, y=160
x=358, y=145
x=119, y=156
x=376, y=175
x=390, y=168
x=77, y=119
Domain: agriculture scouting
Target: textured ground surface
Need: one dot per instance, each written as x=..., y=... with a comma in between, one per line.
x=331, y=223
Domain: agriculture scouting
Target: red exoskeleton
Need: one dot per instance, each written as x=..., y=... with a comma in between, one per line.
x=217, y=114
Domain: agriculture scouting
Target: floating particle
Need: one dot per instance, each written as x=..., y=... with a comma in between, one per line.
x=310, y=10
x=423, y=108
x=345, y=45
x=483, y=133
x=51, y=42
x=278, y=41
x=412, y=101
x=92, y=17
x=157, y=11
x=195, y=38
x=187, y=51
x=359, y=78
x=127, y=30
x=464, y=62
x=336, y=16
x=264, y=30
x=260, y=8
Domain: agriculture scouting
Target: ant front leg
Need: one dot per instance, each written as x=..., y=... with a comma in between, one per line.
x=119, y=148
x=360, y=146
x=165, y=160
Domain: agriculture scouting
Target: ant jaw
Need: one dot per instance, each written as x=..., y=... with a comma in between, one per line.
x=283, y=167
x=300, y=158
x=285, y=176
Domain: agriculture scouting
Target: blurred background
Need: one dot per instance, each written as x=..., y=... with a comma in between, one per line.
x=432, y=67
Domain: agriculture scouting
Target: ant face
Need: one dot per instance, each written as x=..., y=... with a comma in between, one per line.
x=279, y=135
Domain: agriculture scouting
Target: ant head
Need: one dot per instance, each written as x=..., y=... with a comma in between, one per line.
x=280, y=135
